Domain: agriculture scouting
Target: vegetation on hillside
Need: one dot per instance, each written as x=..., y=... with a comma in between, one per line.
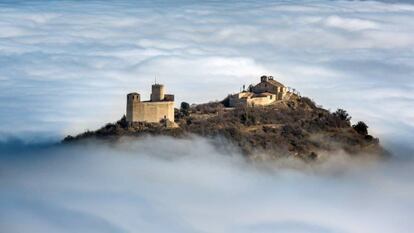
x=297, y=127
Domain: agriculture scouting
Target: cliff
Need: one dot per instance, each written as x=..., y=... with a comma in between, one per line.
x=296, y=127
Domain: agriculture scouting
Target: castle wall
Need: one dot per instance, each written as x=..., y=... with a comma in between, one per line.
x=242, y=100
x=168, y=97
x=262, y=101
x=150, y=111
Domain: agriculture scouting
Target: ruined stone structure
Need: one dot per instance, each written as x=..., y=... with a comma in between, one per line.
x=264, y=93
x=159, y=107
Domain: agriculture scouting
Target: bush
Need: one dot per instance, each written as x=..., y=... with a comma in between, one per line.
x=361, y=128
x=185, y=107
x=248, y=119
x=292, y=131
x=208, y=108
x=308, y=102
x=123, y=122
x=342, y=115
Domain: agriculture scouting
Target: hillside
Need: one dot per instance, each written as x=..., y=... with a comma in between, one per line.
x=296, y=127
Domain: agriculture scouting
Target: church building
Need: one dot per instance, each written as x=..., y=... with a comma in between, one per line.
x=264, y=93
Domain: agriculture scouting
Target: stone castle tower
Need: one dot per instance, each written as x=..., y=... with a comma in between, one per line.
x=160, y=106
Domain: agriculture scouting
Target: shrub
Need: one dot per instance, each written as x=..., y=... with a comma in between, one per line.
x=292, y=131
x=308, y=102
x=123, y=122
x=177, y=114
x=248, y=119
x=185, y=107
x=342, y=115
x=313, y=156
x=361, y=128
x=208, y=108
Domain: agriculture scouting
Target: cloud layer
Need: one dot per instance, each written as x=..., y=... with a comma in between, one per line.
x=66, y=66
x=144, y=186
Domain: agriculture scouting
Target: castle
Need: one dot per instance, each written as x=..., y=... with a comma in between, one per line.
x=264, y=93
x=159, y=107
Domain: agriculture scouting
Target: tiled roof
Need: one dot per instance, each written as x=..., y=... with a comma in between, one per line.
x=275, y=83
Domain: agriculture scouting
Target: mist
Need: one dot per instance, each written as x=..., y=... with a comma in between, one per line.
x=66, y=66
x=161, y=184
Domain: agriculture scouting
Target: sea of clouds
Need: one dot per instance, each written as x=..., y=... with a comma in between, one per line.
x=146, y=186
x=66, y=66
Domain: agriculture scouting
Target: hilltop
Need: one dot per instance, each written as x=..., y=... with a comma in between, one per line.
x=293, y=127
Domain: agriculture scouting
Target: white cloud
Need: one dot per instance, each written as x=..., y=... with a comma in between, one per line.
x=350, y=24
x=143, y=185
x=60, y=62
x=66, y=67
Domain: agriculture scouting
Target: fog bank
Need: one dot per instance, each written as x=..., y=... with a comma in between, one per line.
x=169, y=185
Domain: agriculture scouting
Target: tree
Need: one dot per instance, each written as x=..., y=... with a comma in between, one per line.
x=123, y=122
x=184, y=108
x=342, y=114
x=361, y=128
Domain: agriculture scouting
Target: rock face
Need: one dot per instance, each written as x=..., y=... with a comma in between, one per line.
x=294, y=127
